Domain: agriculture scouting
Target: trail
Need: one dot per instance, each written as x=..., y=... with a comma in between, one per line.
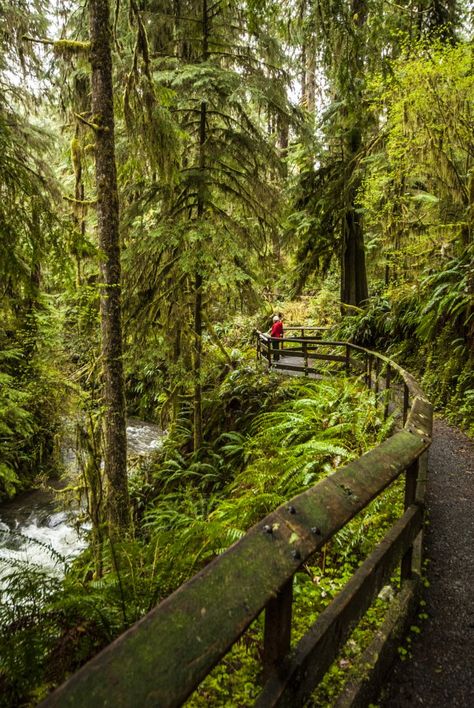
x=441, y=669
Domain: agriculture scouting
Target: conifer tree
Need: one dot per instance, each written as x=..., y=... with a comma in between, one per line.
x=102, y=120
x=28, y=192
x=221, y=198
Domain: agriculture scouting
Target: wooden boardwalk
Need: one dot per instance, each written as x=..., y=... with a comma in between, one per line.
x=285, y=363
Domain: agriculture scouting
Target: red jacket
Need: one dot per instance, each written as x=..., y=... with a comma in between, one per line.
x=277, y=329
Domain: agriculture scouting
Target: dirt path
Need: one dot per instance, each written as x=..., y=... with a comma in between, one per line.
x=441, y=670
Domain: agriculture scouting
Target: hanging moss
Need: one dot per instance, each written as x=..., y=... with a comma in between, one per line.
x=76, y=156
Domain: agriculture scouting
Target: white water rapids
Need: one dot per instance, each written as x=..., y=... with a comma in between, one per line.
x=34, y=528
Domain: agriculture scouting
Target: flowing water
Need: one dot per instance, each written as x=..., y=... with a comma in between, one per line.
x=36, y=528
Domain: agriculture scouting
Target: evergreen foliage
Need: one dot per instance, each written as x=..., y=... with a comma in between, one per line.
x=29, y=243
x=201, y=232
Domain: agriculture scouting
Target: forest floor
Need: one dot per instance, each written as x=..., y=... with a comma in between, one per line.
x=440, y=671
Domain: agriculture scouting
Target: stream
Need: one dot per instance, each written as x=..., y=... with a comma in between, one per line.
x=36, y=521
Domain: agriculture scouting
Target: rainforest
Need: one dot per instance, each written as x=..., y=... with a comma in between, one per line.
x=177, y=176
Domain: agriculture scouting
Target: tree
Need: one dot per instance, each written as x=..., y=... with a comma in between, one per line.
x=203, y=226
x=102, y=120
x=28, y=244
x=418, y=192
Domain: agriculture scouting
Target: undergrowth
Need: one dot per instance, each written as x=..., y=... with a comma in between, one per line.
x=429, y=328
x=237, y=680
x=268, y=438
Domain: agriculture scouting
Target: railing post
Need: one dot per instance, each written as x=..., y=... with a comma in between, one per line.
x=377, y=372
x=406, y=400
x=388, y=376
x=259, y=347
x=369, y=372
x=269, y=351
x=305, y=356
x=277, y=632
x=411, y=481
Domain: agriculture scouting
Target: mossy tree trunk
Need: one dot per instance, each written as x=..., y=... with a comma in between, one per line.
x=115, y=456
x=198, y=287
x=198, y=281
x=354, y=286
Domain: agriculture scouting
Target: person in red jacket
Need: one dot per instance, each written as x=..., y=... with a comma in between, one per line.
x=276, y=331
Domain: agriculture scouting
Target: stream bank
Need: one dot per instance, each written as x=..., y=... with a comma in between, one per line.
x=37, y=529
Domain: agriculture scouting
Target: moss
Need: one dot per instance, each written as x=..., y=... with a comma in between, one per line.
x=80, y=202
x=76, y=156
x=66, y=47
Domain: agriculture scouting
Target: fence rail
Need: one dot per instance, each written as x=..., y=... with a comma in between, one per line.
x=162, y=659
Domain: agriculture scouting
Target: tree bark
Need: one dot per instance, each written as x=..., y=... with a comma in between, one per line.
x=115, y=456
x=354, y=286
x=198, y=285
x=197, y=362
x=198, y=280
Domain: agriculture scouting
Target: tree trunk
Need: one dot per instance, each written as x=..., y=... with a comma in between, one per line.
x=197, y=360
x=354, y=288
x=198, y=281
x=308, y=60
x=31, y=307
x=115, y=457
x=310, y=79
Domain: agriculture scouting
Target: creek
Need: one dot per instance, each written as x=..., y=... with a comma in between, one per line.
x=35, y=526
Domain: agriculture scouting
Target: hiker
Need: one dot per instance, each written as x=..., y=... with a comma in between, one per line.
x=276, y=331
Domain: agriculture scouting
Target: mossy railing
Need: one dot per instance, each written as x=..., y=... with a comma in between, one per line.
x=163, y=658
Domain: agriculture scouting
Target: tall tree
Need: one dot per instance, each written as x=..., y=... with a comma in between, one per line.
x=354, y=287
x=220, y=207
x=28, y=412
x=102, y=119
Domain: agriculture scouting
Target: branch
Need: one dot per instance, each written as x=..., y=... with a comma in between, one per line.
x=214, y=337
x=38, y=40
x=61, y=46
x=94, y=126
x=82, y=202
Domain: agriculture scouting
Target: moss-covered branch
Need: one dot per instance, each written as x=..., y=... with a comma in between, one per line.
x=61, y=46
x=94, y=126
x=82, y=202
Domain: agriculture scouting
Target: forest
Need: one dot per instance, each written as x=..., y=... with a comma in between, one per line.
x=173, y=174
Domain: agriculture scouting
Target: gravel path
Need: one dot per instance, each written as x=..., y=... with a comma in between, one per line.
x=441, y=670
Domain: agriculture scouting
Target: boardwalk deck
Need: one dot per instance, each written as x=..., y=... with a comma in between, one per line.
x=285, y=364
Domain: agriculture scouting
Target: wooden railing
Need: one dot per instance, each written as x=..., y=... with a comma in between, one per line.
x=304, y=354
x=306, y=330
x=163, y=658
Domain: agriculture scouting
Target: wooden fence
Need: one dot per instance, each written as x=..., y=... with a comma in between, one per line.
x=163, y=658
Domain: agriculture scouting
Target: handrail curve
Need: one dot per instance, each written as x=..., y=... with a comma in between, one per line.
x=162, y=658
